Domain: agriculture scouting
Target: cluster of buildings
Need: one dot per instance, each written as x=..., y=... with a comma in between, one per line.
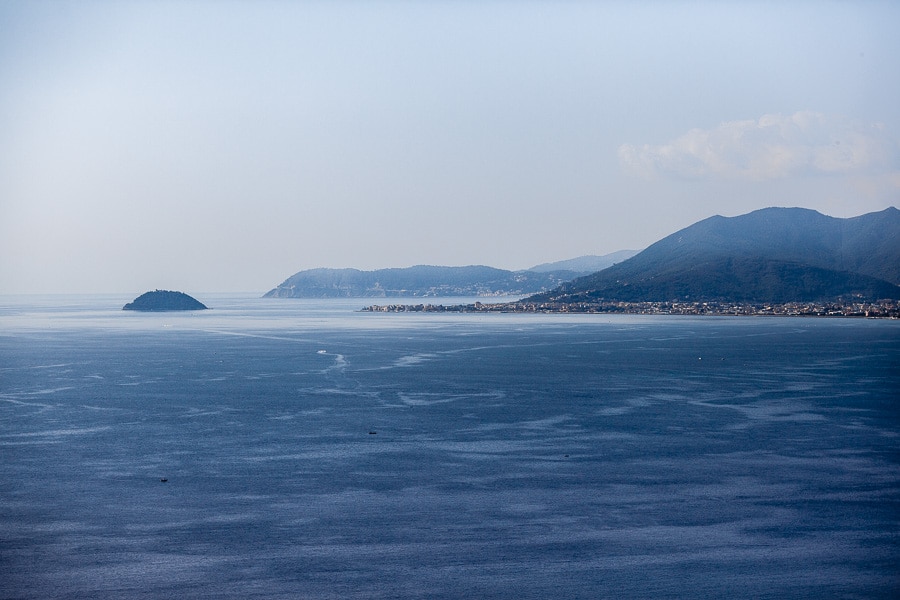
x=880, y=309
x=395, y=308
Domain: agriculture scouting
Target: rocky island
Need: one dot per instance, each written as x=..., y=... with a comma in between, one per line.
x=164, y=300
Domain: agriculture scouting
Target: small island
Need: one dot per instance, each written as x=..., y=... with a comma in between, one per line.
x=164, y=300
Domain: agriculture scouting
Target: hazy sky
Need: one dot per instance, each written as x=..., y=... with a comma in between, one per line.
x=223, y=146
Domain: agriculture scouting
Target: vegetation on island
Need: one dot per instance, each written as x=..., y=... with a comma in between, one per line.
x=164, y=300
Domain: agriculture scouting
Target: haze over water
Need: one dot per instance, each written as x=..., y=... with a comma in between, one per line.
x=313, y=451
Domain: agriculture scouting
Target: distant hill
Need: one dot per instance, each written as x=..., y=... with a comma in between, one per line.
x=769, y=255
x=418, y=281
x=164, y=300
x=584, y=265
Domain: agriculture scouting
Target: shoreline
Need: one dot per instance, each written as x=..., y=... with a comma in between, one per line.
x=884, y=309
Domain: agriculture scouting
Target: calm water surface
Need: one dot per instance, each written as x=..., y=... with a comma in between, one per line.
x=311, y=451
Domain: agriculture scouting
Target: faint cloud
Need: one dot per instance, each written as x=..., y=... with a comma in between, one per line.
x=771, y=147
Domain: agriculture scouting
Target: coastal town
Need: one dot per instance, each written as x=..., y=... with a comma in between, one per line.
x=883, y=309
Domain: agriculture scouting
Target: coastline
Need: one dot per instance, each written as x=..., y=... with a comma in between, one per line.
x=882, y=309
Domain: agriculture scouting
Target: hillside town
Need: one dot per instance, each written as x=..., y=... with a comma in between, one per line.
x=884, y=309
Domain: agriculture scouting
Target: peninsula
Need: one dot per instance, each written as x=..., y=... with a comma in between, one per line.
x=424, y=281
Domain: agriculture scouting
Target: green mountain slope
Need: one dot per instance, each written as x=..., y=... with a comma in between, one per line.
x=770, y=255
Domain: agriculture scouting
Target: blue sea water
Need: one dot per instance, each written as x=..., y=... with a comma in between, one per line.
x=313, y=451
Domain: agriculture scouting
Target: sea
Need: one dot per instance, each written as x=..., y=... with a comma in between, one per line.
x=277, y=448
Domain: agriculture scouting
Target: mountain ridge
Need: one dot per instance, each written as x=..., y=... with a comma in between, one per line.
x=417, y=281
x=587, y=264
x=772, y=254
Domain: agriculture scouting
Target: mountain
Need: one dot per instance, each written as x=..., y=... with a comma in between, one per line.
x=418, y=281
x=769, y=255
x=164, y=300
x=585, y=265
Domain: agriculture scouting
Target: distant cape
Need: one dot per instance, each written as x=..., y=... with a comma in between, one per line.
x=164, y=300
x=418, y=281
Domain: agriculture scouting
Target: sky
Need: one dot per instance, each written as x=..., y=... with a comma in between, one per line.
x=224, y=146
